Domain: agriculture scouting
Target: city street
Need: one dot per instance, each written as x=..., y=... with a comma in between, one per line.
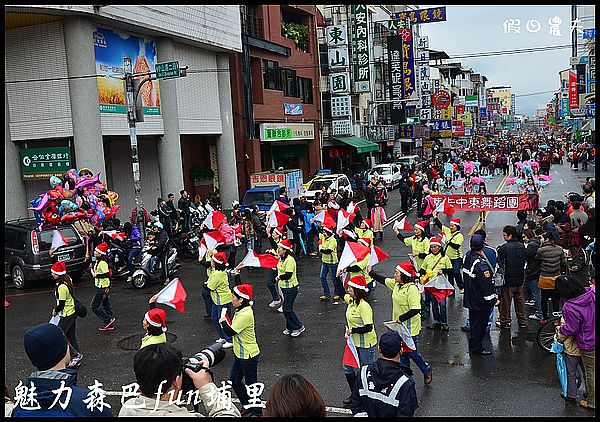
x=518, y=379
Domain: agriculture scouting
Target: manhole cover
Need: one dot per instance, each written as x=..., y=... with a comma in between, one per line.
x=133, y=342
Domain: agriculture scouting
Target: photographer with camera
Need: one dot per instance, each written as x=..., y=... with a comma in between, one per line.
x=159, y=372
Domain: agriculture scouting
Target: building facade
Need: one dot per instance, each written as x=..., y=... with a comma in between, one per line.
x=59, y=102
x=276, y=103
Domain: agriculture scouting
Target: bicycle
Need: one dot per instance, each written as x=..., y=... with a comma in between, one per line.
x=545, y=334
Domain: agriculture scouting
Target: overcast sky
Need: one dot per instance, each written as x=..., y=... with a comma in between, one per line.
x=474, y=29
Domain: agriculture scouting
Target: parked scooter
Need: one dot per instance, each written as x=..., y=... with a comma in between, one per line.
x=116, y=252
x=143, y=273
x=186, y=243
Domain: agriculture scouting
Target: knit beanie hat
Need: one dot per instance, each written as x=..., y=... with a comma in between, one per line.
x=45, y=345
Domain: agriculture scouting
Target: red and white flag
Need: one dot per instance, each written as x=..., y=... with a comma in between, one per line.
x=213, y=239
x=214, y=220
x=377, y=255
x=59, y=240
x=115, y=235
x=278, y=206
x=353, y=208
x=353, y=252
x=402, y=225
x=278, y=219
x=253, y=259
x=350, y=354
x=202, y=249
x=326, y=219
x=173, y=295
x=445, y=207
x=443, y=237
x=408, y=344
x=344, y=218
x=439, y=287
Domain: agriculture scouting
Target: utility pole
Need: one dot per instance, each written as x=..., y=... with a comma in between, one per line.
x=133, y=100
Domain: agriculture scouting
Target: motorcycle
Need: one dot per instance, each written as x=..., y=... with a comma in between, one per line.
x=186, y=244
x=116, y=250
x=143, y=273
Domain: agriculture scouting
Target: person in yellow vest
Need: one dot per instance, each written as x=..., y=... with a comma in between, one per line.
x=101, y=301
x=275, y=236
x=418, y=243
x=434, y=264
x=246, y=353
x=329, y=258
x=155, y=324
x=65, y=309
x=454, y=241
x=218, y=284
x=406, y=307
x=359, y=325
x=288, y=282
x=360, y=267
x=365, y=229
x=205, y=261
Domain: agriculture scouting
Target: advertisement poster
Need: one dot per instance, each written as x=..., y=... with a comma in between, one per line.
x=109, y=49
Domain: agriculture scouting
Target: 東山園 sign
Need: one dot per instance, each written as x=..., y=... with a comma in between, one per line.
x=41, y=163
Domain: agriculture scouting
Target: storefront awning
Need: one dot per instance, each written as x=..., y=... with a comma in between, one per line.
x=361, y=145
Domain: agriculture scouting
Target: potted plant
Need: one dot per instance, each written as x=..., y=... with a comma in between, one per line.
x=201, y=175
x=297, y=32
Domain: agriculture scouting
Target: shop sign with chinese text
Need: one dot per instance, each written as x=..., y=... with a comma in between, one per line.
x=360, y=47
x=337, y=36
x=434, y=14
x=339, y=83
x=340, y=106
x=395, y=78
x=286, y=131
x=381, y=133
x=41, y=163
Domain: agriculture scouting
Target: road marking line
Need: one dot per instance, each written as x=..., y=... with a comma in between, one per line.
x=561, y=182
x=555, y=172
x=393, y=218
x=478, y=224
x=235, y=400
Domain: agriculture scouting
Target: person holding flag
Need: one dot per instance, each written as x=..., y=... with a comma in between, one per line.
x=218, y=284
x=406, y=309
x=359, y=328
x=454, y=241
x=246, y=353
x=329, y=258
x=435, y=264
x=365, y=229
x=288, y=282
x=275, y=236
x=360, y=267
x=101, y=301
x=418, y=243
x=155, y=324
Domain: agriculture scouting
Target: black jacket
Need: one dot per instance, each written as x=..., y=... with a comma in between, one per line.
x=533, y=265
x=381, y=377
x=184, y=205
x=480, y=293
x=512, y=256
x=370, y=196
x=162, y=238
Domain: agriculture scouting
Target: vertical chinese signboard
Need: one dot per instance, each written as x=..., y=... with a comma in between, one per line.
x=408, y=63
x=339, y=82
x=394, y=45
x=360, y=48
x=109, y=49
x=573, y=92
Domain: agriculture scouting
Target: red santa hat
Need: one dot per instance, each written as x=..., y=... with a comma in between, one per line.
x=407, y=268
x=365, y=241
x=358, y=282
x=279, y=230
x=329, y=229
x=157, y=318
x=220, y=258
x=102, y=248
x=286, y=244
x=421, y=225
x=368, y=222
x=435, y=241
x=455, y=221
x=244, y=291
x=59, y=268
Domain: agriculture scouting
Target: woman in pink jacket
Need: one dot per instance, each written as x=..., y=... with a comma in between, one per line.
x=378, y=218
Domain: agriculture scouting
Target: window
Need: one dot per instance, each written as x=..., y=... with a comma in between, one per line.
x=306, y=90
x=272, y=76
x=290, y=83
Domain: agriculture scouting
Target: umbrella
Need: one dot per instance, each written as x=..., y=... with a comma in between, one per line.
x=544, y=146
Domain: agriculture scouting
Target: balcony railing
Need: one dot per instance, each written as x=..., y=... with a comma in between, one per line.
x=252, y=25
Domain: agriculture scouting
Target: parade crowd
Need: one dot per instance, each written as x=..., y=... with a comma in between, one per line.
x=544, y=265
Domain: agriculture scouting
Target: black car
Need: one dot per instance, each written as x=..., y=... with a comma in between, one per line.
x=27, y=252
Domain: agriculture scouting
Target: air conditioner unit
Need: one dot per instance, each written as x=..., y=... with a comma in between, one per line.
x=363, y=86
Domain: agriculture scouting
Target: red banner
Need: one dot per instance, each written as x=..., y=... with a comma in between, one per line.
x=500, y=202
x=573, y=91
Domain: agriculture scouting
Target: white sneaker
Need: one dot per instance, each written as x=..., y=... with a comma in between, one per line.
x=129, y=279
x=220, y=340
x=296, y=333
x=275, y=304
x=227, y=345
x=286, y=332
x=280, y=309
x=534, y=316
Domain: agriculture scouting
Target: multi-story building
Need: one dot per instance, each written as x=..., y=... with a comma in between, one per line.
x=59, y=102
x=276, y=101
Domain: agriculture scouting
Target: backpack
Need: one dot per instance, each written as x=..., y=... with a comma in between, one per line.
x=577, y=259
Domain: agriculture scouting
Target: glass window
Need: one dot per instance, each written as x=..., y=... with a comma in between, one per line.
x=10, y=238
x=69, y=235
x=271, y=75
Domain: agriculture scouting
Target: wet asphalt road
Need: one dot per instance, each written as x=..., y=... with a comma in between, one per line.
x=518, y=379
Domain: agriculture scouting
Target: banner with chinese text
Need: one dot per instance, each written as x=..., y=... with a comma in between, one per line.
x=360, y=48
x=499, y=202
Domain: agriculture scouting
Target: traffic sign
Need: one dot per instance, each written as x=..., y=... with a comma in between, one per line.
x=168, y=70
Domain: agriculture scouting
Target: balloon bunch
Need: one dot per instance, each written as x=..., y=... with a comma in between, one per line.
x=78, y=195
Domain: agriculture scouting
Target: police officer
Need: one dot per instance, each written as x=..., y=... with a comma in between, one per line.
x=480, y=293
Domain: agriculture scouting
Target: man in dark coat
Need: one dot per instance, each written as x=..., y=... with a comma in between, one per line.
x=512, y=256
x=370, y=194
x=480, y=294
x=184, y=206
x=385, y=388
